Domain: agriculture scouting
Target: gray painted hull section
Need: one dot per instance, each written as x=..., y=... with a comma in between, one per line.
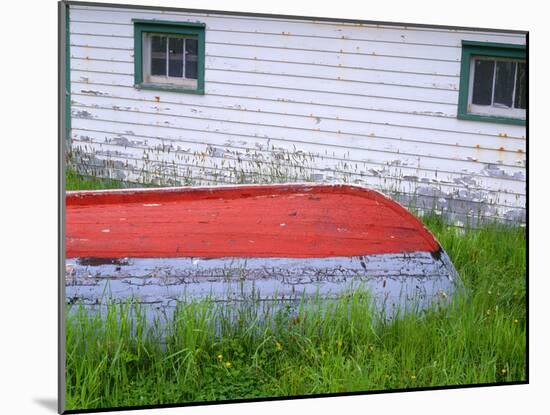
x=396, y=281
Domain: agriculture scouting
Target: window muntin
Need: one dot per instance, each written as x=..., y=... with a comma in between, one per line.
x=170, y=59
x=497, y=87
x=493, y=82
x=169, y=55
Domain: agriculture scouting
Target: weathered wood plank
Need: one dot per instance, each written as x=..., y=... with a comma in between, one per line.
x=104, y=81
x=313, y=44
x=247, y=96
x=350, y=121
x=297, y=128
x=319, y=58
x=370, y=32
x=83, y=43
x=492, y=178
x=378, y=152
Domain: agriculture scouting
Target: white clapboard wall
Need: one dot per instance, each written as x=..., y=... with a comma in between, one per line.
x=291, y=100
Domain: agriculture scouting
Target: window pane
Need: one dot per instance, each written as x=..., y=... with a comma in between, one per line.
x=191, y=60
x=483, y=82
x=175, y=63
x=521, y=87
x=158, y=55
x=504, y=83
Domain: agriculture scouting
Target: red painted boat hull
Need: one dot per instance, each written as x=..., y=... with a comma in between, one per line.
x=293, y=221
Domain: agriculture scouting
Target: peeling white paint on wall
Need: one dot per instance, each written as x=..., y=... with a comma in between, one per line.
x=289, y=100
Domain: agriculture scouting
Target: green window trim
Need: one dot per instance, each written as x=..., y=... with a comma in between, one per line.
x=195, y=29
x=67, y=75
x=485, y=49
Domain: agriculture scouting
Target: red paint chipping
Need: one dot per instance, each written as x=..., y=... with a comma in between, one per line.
x=295, y=221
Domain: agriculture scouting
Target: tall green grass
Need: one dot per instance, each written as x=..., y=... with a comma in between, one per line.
x=115, y=359
x=76, y=181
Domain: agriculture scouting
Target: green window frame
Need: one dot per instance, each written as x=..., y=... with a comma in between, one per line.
x=194, y=30
x=473, y=49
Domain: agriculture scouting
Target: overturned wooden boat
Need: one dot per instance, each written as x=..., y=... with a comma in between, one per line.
x=273, y=242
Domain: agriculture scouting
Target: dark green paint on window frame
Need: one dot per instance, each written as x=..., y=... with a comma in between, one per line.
x=489, y=49
x=194, y=29
x=67, y=75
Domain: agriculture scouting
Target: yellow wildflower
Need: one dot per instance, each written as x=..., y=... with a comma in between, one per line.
x=278, y=346
x=413, y=377
x=228, y=365
x=219, y=357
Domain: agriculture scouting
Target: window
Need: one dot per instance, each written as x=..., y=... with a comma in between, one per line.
x=493, y=83
x=169, y=56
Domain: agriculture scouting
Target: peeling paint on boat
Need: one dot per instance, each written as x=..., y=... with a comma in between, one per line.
x=229, y=244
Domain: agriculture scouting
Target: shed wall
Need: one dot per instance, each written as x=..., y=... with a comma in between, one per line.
x=289, y=100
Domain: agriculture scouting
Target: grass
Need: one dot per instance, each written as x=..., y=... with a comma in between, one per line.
x=75, y=181
x=480, y=338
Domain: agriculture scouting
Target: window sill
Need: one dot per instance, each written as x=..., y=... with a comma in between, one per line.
x=172, y=88
x=490, y=118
